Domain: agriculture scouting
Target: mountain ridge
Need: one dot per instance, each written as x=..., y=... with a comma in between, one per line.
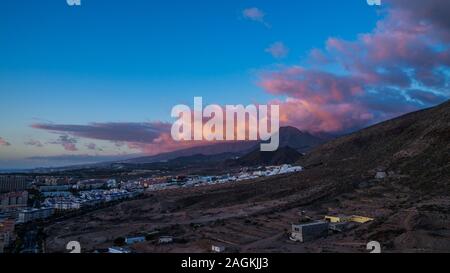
x=284, y=155
x=289, y=136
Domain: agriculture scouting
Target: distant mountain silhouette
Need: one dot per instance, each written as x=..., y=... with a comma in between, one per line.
x=214, y=149
x=298, y=140
x=289, y=137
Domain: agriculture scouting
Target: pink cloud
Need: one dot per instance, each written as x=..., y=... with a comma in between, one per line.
x=144, y=132
x=400, y=66
x=4, y=142
x=164, y=143
x=35, y=143
x=278, y=50
x=148, y=137
x=255, y=14
x=93, y=147
x=67, y=142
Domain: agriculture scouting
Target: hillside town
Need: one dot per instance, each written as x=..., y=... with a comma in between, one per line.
x=25, y=199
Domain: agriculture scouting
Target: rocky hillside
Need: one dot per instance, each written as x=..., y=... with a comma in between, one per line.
x=410, y=200
x=415, y=145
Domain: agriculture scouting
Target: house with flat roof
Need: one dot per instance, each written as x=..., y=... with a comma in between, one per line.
x=165, y=239
x=218, y=248
x=310, y=231
x=134, y=240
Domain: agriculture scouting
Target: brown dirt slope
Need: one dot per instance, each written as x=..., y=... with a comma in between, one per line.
x=411, y=206
x=416, y=145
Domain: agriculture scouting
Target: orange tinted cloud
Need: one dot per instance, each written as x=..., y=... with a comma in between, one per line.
x=400, y=66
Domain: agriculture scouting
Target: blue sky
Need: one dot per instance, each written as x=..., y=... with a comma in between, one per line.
x=132, y=61
x=52, y=53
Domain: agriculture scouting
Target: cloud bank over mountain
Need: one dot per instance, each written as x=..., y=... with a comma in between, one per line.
x=400, y=66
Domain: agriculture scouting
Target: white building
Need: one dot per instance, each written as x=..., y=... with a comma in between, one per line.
x=111, y=183
x=118, y=250
x=217, y=248
x=29, y=215
x=56, y=194
x=165, y=239
x=67, y=205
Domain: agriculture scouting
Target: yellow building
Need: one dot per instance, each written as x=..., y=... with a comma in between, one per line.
x=353, y=218
x=333, y=219
x=359, y=219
